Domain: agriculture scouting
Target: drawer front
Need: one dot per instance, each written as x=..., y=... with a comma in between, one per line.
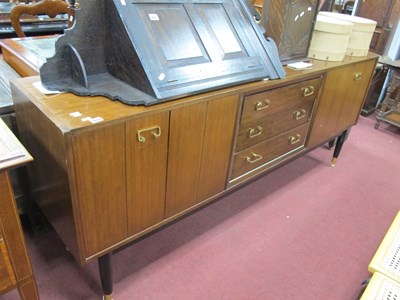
x=273, y=124
x=7, y=277
x=254, y=157
x=290, y=97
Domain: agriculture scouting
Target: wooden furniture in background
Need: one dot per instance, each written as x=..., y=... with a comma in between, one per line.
x=389, y=110
x=52, y=8
x=7, y=73
x=290, y=24
x=31, y=25
x=386, y=13
x=15, y=268
x=326, y=5
x=27, y=55
x=375, y=90
x=106, y=173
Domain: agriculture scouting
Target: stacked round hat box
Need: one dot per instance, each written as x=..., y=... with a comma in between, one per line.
x=336, y=35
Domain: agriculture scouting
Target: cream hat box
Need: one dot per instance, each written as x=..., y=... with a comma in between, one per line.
x=361, y=34
x=330, y=38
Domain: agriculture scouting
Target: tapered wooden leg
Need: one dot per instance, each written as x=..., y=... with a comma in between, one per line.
x=338, y=147
x=105, y=268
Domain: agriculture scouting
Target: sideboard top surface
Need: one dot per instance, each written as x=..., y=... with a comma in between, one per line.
x=96, y=111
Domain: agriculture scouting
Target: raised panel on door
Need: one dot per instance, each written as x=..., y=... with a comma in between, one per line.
x=146, y=158
x=218, y=141
x=184, y=157
x=290, y=23
x=187, y=46
x=341, y=100
x=99, y=161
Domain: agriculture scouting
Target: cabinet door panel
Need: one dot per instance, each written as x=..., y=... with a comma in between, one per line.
x=146, y=148
x=7, y=277
x=99, y=160
x=221, y=118
x=184, y=160
x=341, y=100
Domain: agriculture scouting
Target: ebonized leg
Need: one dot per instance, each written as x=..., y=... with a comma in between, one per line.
x=338, y=147
x=105, y=268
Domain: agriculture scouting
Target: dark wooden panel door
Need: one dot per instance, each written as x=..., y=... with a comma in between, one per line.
x=290, y=24
x=386, y=13
x=188, y=46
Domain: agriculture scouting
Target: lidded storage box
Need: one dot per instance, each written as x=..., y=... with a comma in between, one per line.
x=361, y=35
x=330, y=38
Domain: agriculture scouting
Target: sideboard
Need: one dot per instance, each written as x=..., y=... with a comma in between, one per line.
x=106, y=173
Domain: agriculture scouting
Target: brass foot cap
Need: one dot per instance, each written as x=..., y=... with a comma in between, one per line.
x=107, y=297
x=333, y=162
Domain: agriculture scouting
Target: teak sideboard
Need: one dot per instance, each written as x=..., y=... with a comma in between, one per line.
x=106, y=173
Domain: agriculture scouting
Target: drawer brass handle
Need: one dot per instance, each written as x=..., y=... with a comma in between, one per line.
x=260, y=105
x=357, y=76
x=307, y=91
x=294, y=139
x=299, y=114
x=155, y=131
x=253, y=132
x=254, y=157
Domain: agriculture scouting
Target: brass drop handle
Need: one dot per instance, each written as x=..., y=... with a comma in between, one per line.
x=260, y=105
x=154, y=131
x=299, y=114
x=253, y=132
x=253, y=158
x=294, y=139
x=357, y=76
x=307, y=91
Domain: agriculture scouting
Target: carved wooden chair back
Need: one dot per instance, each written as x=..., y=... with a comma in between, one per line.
x=44, y=7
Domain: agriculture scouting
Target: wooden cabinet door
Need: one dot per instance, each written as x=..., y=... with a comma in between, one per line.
x=341, y=100
x=184, y=157
x=99, y=161
x=218, y=143
x=200, y=144
x=146, y=158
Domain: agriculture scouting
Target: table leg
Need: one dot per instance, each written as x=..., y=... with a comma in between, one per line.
x=338, y=147
x=105, y=268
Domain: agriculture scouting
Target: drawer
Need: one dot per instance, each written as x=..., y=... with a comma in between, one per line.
x=289, y=97
x=273, y=124
x=7, y=277
x=260, y=154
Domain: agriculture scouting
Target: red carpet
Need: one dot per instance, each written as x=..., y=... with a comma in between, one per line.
x=306, y=231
